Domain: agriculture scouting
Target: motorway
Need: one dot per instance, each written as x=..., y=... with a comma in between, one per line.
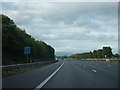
x=67, y=74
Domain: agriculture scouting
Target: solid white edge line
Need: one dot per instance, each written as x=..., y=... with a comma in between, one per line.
x=46, y=80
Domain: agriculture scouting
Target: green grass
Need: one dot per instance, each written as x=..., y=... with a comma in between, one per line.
x=107, y=59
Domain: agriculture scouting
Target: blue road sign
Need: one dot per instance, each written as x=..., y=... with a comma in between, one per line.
x=27, y=50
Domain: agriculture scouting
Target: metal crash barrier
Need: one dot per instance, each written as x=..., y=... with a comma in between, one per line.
x=17, y=68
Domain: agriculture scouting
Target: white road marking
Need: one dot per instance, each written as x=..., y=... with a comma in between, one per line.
x=84, y=66
x=46, y=80
x=94, y=71
x=108, y=65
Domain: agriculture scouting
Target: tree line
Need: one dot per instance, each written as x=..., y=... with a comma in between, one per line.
x=105, y=52
x=14, y=39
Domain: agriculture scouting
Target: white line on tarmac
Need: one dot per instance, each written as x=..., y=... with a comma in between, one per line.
x=94, y=71
x=46, y=80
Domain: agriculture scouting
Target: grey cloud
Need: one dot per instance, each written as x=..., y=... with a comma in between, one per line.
x=96, y=22
x=57, y=12
x=79, y=46
x=69, y=12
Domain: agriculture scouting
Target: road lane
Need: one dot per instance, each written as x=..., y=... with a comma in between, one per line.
x=74, y=75
x=102, y=69
x=30, y=79
x=47, y=79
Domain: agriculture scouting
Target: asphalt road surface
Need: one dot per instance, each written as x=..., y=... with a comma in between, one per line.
x=67, y=74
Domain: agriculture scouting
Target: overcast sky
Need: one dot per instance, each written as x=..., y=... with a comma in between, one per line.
x=69, y=27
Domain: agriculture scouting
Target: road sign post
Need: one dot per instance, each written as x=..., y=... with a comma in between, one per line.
x=27, y=51
x=27, y=58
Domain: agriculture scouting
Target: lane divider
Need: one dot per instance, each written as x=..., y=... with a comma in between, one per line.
x=94, y=71
x=84, y=66
x=108, y=65
x=46, y=80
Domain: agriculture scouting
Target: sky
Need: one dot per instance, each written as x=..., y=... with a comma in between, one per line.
x=69, y=27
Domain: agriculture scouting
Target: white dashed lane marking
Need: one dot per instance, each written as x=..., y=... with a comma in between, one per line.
x=108, y=65
x=84, y=66
x=94, y=71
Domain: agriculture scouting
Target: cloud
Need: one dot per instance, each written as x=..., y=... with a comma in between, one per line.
x=67, y=47
x=93, y=22
x=61, y=1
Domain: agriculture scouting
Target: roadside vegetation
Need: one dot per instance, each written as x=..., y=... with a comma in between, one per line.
x=101, y=54
x=14, y=39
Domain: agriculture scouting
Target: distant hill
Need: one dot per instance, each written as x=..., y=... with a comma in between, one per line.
x=14, y=39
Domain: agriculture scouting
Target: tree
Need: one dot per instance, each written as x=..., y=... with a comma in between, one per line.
x=116, y=55
x=14, y=39
x=107, y=52
x=99, y=53
x=95, y=54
